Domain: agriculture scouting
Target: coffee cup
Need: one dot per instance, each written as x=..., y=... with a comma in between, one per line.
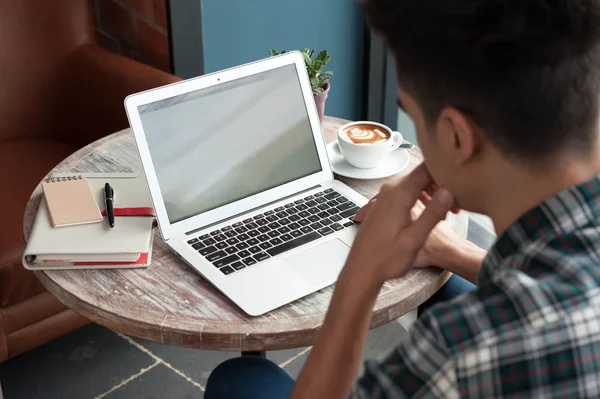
x=365, y=144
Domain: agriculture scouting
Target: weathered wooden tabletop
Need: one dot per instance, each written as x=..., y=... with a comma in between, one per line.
x=169, y=303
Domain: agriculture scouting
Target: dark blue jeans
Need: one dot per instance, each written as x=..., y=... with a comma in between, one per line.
x=252, y=377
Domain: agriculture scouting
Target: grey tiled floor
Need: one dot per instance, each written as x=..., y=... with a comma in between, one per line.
x=94, y=362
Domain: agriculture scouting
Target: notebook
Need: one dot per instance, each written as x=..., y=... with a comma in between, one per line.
x=70, y=201
x=95, y=246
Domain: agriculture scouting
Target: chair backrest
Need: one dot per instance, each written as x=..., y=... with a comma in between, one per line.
x=36, y=36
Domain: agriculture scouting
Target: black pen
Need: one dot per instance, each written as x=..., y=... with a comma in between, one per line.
x=109, y=196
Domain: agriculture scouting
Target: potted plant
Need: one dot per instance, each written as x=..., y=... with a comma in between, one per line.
x=319, y=81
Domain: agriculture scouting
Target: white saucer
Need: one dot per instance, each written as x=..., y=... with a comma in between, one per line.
x=394, y=163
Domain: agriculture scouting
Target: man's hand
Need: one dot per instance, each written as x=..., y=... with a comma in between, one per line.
x=390, y=239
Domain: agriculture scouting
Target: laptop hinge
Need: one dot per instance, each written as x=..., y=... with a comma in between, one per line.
x=251, y=210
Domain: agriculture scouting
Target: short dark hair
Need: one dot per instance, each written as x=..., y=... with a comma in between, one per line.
x=527, y=71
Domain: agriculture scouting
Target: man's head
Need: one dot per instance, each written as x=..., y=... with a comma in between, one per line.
x=482, y=79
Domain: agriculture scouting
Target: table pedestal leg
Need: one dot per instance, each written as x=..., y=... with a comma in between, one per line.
x=262, y=354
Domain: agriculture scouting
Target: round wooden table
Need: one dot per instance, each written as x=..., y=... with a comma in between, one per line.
x=169, y=303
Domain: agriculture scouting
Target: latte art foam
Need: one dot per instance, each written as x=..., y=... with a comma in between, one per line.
x=365, y=134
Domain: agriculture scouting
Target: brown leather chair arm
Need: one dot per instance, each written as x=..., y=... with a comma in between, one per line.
x=93, y=84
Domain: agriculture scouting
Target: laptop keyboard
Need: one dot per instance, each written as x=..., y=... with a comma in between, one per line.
x=243, y=244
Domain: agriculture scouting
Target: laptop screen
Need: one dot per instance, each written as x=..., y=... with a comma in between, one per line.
x=217, y=145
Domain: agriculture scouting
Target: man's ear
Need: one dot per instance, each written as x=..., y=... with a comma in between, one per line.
x=457, y=135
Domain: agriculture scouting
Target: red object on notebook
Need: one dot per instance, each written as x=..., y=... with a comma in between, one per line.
x=143, y=259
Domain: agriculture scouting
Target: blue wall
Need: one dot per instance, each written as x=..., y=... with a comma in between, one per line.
x=240, y=31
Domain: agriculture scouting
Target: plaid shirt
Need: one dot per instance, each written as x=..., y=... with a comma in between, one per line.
x=530, y=330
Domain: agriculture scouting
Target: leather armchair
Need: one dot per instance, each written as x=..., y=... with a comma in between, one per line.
x=59, y=91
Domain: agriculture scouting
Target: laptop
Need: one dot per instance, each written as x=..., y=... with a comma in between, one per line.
x=237, y=169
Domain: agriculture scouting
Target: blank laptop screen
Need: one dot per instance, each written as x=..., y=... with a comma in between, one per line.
x=217, y=145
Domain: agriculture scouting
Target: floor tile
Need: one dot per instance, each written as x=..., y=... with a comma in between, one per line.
x=159, y=382
x=81, y=364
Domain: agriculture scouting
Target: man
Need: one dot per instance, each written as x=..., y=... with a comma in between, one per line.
x=505, y=99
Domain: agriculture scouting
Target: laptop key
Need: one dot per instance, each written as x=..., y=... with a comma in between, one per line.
x=272, y=218
x=281, y=214
x=311, y=203
x=220, y=237
x=198, y=245
x=207, y=250
x=265, y=245
x=325, y=231
x=306, y=229
x=226, y=270
x=242, y=245
x=298, y=202
x=244, y=254
x=279, y=209
x=341, y=199
x=329, y=190
x=323, y=215
x=230, y=233
x=227, y=228
x=238, y=224
x=337, y=227
x=314, y=218
x=304, y=214
x=262, y=222
x=204, y=237
x=314, y=210
x=192, y=241
x=350, y=212
x=321, y=200
x=221, y=245
x=209, y=241
x=332, y=203
x=238, y=265
x=249, y=220
x=294, y=226
x=261, y=256
x=284, y=221
x=323, y=207
x=326, y=221
x=333, y=211
x=263, y=238
x=214, y=233
x=286, y=237
x=226, y=260
x=302, y=207
x=231, y=250
x=316, y=226
x=232, y=241
x=296, y=233
x=294, y=218
x=241, y=229
x=273, y=233
x=254, y=250
x=305, y=239
x=243, y=237
x=309, y=198
x=348, y=224
x=284, y=230
x=333, y=195
x=319, y=194
x=288, y=205
x=263, y=229
x=304, y=222
x=276, y=241
x=259, y=217
x=274, y=225
x=291, y=211
x=335, y=218
x=269, y=213
x=216, y=255
x=253, y=233
x=345, y=206
x=251, y=225
x=252, y=241
x=250, y=261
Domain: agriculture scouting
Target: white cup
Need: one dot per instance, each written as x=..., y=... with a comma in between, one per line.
x=367, y=156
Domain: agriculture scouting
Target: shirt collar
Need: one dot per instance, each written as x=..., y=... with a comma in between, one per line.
x=570, y=210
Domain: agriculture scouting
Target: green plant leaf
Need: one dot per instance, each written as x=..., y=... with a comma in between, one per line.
x=317, y=90
x=327, y=73
x=273, y=53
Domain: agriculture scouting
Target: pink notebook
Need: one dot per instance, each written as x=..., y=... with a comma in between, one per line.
x=70, y=201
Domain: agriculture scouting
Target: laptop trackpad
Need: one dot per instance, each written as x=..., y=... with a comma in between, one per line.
x=322, y=263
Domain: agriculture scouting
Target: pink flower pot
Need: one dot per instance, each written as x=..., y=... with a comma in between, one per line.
x=320, y=102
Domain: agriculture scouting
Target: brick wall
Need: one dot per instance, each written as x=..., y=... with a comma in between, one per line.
x=134, y=28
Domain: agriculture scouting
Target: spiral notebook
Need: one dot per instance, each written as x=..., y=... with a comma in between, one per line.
x=70, y=201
